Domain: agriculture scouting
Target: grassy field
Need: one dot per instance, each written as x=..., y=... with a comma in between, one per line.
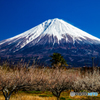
x=38, y=95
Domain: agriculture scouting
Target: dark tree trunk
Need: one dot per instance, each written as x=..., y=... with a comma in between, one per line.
x=7, y=98
x=7, y=95
x=58, y=98
x=56, y=94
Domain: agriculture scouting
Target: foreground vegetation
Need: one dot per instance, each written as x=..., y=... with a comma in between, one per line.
x=46, y=83
x=38, y=95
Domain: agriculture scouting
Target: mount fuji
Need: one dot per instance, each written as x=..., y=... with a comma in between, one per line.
x=53, y=35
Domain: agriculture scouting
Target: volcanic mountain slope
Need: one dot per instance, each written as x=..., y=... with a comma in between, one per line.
x=53, y=35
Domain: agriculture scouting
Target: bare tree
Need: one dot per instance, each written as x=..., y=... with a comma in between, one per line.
x=58, y=80
x=36, y=81
x=11, y=81
x=20, y=79
x=90, y=82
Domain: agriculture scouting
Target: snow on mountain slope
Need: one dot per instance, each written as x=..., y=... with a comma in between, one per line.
x=52, y=27
x=53, y=35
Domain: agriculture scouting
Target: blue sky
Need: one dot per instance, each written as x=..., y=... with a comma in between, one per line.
x=17, y=16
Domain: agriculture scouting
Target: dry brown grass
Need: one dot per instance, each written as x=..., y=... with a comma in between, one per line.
x=27, y=97
x=31, y=98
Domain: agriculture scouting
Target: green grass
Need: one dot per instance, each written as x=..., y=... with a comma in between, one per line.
x=34, y=92
x=62, y=98
x=46, y=95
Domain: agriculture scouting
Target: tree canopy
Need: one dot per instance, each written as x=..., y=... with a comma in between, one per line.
x=58, y=60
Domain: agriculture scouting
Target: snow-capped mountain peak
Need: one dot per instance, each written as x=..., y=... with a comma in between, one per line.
x=57, y=28
x=53, y=35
